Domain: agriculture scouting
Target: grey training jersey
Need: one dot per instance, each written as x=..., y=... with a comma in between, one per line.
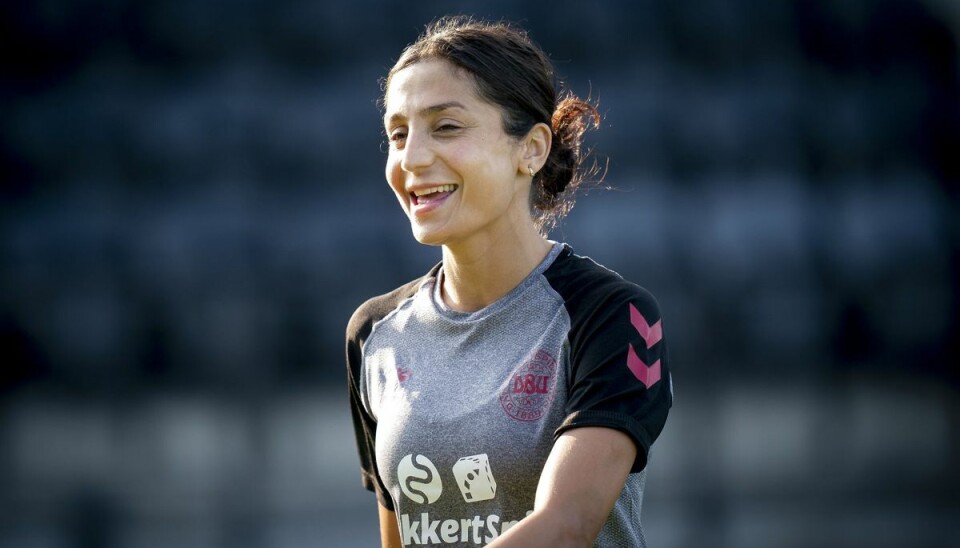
x=455, y=413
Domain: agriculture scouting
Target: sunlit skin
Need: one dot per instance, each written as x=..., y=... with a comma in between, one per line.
x=444, y=137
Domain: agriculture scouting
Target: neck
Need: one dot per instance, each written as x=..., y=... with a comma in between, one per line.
x=479, y=275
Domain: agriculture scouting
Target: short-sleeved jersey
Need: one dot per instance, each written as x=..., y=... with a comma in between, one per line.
x=455, y=413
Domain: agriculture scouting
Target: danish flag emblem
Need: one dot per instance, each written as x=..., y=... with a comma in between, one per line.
x=649, y=375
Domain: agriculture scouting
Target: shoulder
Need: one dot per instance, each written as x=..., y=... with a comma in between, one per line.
x=368, y=314
x=588, y=287
x=377, y=308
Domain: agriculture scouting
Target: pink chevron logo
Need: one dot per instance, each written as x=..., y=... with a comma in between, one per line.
x=651, y=334
x=649, y=375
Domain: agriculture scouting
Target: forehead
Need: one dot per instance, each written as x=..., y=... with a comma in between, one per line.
x=428, y=83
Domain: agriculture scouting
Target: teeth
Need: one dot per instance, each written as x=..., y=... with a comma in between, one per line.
x=432, y=190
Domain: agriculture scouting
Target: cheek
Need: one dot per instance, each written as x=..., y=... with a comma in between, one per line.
x=394, y=175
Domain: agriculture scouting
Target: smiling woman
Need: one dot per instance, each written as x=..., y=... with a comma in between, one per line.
x=450, y=163
x=510, y=396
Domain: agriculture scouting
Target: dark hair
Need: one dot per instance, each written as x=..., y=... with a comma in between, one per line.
x=513, y=73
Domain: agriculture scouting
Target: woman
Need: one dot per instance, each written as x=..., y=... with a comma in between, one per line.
x=510, y=396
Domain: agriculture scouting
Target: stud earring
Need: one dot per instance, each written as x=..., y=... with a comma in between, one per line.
x=530, y=170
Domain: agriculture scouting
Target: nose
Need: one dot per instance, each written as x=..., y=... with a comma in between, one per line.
x=416, y=153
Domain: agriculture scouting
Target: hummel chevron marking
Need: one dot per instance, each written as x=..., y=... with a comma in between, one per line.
x=651, y=334
x=647, y=374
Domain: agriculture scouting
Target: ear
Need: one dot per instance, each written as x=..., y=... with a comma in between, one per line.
x=535, y=148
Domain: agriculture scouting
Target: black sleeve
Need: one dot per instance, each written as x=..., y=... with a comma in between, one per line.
x=364, y=425
x=619, y=373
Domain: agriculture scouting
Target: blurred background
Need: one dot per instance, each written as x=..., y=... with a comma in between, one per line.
x=193, y=204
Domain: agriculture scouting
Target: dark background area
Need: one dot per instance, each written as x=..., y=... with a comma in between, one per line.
x=193, y=203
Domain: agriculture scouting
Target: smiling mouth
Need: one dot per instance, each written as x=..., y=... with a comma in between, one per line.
x=427, y=195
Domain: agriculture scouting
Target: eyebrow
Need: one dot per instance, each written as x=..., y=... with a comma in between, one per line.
x=426, y=111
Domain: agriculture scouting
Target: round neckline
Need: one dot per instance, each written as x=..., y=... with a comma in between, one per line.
x=444, y=310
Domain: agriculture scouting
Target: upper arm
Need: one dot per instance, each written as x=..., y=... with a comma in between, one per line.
x=583, y=478
x=619, y=377
x=579, y=485
x=389, y=530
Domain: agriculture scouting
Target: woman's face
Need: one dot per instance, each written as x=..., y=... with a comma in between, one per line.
x=457, y=175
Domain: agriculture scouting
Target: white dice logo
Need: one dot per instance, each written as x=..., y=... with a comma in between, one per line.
x=475, y=478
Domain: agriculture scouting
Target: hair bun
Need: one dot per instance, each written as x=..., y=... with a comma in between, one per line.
x=563, y=172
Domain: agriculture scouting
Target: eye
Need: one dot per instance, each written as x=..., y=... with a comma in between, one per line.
x=397, y=135
x=447, y=127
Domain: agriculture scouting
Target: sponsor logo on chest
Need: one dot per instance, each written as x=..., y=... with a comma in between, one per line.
x=420, y=481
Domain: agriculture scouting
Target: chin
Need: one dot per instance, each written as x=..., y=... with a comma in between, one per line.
x=428, y=237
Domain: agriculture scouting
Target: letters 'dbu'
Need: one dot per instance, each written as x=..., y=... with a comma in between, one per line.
x=531, y=384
